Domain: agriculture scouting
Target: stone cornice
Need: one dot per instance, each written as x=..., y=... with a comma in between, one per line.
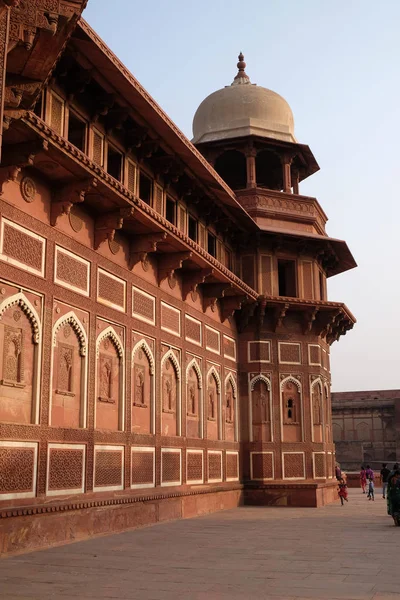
x=34, y=122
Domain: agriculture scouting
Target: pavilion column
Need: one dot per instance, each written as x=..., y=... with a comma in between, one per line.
x=295, y=181
x=286, y=161
x=251, y=154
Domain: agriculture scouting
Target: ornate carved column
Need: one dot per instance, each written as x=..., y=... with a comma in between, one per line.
x=295, y=180
x=286, y=161
x=251, y=154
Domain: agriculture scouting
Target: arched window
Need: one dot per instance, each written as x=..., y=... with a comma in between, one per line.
x=231, y=166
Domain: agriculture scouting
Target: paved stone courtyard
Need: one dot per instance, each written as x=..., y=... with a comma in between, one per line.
x=349, y=552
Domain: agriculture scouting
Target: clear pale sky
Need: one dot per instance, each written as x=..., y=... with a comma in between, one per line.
x=337, y=64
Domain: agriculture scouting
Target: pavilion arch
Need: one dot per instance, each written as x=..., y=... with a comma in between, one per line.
x=29, y=310
x=232, y=167
x=72, y=319
x=143, y=345
x=110, y=333
x=170, y=355
x=193, y=364
x=291, y=379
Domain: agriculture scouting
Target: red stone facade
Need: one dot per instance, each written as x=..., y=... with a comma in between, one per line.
x=148, y=353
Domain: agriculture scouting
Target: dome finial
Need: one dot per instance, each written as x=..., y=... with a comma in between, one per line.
x=241, y=76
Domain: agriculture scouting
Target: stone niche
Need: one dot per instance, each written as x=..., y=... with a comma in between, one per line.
x=142, y=390
x=229, y=416
x=291, y=410
x=18, y=366
x=193, y=404
x=213, y=406
x=170, y=378
x=108, y=397
x=261, y=409
x=68, y=375
x=316, y=408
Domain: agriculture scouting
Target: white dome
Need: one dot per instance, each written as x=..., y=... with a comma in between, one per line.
x=243, y=109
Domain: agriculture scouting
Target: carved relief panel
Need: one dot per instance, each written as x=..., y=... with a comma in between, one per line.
x=229, y=406
x=142, y=391
x=193, y=404
x=213, y=406
x=316, y=411
x=291, y=411
x=108, y=385
x=67, y=379
x=170, y=396
x=260, y=405
x=19, y=362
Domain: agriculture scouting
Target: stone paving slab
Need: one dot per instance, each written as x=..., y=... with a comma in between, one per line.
x=249, y=553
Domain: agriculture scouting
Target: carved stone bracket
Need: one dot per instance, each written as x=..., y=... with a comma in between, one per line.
x=23, y=155
x=169, y=263
x=70, y=194
x=326, y=323
x=309, y=319
x=106, y=225
x=142, y=245
x=212, y=292
x=192, y=279
x=279, y=315
x=8, y=174
x=147, y=148
x=231, y=303
x=245, y=315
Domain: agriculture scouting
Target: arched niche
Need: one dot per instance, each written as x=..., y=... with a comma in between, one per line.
x=231, y=166
x=291, y=410
x=20, y=367
x=316, y=410
x=170, y=395
x=337, y=431
x=110, y=385
x=229, y=416
x=213, y=405
x=194, y=400
x=363, y=431
x=143, y=388
x=68, y=402
x=261, y=409
x=269, y=173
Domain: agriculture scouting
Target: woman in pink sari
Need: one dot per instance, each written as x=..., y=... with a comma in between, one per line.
x=363, y=479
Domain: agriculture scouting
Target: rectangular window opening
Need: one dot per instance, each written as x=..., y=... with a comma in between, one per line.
x=193, y=228
x=145, y=187
x=114, y=162
x=170, y=210
x=287, y=278
x=38, y=109
x=77, y=131
x=211, y=244
x=228, y=259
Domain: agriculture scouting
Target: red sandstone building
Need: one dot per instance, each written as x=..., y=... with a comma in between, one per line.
x=164, y=321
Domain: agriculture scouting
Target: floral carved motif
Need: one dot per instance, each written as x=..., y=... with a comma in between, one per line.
x=28, y=189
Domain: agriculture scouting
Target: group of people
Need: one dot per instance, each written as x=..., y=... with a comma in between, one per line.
x=367, y=475
x=390, y=479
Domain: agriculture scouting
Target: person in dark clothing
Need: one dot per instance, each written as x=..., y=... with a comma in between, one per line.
x=385, y=472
